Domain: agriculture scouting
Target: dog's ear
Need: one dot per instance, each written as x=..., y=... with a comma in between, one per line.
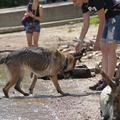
x=58, y=54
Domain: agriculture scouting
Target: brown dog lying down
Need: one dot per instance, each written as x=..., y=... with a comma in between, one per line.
x=40, y=61
x=110, y=97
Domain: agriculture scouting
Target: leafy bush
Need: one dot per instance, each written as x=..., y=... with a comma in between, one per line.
x=12, y=3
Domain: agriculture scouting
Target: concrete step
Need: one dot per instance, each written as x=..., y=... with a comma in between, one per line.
x=54, y=14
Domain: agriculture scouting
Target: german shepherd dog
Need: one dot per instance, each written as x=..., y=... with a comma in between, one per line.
x=40, y=61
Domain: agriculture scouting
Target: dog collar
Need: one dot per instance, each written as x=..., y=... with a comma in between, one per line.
x=65, y=64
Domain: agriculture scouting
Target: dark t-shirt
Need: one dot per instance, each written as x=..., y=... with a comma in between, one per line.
x=96, y=5
x=30, y=19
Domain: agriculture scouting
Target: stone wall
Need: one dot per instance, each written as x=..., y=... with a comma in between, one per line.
x=52, y=12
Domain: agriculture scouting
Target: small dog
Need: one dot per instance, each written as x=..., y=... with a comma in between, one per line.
x=40, y=61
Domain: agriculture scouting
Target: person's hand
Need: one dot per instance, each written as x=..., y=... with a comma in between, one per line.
x=96, y=46
x=26, y=14
x=78, y=47
x=29, y=14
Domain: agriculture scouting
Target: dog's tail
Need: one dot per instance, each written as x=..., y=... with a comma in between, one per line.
x=2, y=60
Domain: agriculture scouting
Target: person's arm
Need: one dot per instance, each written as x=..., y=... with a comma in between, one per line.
x=83, y=31
x=85, y=25
x=101, y=16
x=27, y=14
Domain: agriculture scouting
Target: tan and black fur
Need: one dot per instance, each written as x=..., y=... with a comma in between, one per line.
x=40, y=61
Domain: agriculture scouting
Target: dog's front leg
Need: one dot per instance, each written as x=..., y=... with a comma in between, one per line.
x=57, y=86
x=34, y=80
x=18, y=83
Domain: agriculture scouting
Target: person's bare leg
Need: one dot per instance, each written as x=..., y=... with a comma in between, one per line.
x=36, y=38
x=104, y=57
x=112, y=59
x=109, y=61
x=29, y=39
x=104, y=66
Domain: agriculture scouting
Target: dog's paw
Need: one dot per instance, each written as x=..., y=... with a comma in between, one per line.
x=30, y=91
x=26, y=94
x=66, y=94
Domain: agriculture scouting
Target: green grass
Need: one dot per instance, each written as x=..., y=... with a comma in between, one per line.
x=94, y=20
x=70, y=30
x=76, y=21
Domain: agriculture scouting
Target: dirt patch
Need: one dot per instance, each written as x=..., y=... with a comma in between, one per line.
x=52, y=36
